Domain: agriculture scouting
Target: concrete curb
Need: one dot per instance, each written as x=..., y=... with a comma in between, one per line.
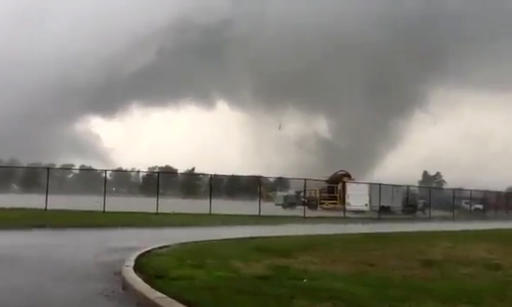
x=145, y=295
x=149, y=297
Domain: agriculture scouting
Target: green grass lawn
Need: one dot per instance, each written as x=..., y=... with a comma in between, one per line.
x=29, y=218
x=466, y=268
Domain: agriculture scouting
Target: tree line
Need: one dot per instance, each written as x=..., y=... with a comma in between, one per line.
x=85, y=179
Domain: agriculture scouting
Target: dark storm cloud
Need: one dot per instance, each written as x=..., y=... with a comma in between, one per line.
x=364, y=65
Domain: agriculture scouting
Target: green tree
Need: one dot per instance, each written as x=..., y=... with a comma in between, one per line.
x=169, y=180
x=281, y=184
x=242, y=187
x=87, y=180
x=232, y=186
x=148, y=182
x=436, y=180
x=33, y=178
x=123, y=181
x=249, y=189
x=9, y=176
x=219, y=186
x=60, y=178
x=190, y=183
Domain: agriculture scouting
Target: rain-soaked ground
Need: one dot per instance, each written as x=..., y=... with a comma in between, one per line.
x=81, y=267
x=222, y=206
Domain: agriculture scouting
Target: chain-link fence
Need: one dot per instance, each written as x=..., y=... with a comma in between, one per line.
x=189, y=192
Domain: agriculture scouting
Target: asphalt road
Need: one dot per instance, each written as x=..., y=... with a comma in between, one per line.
x=81, y=267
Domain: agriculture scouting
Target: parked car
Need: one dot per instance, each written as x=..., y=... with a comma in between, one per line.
x=412, y=205
x=472, y=206
x=292, y=199
x=288, y=199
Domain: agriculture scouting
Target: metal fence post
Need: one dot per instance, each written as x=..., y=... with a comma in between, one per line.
x=380, y=201
x=453, y=204
x=157, y=191
x=304, y=195
x=344, y=185
x=485, y=202
x=210, y=193
x=495, y=203
x=407, y=190
x=104, y=191
x=430, y=203
x=259, y=196
x=507, y=200
x=47, y=188
x=470, y=202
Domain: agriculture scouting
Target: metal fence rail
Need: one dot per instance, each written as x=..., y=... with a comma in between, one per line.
x=189, y=192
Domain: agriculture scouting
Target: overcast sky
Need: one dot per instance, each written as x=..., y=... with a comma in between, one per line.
x=382, y=88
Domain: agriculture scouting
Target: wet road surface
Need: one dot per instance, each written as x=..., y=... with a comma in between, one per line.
x=81, y=267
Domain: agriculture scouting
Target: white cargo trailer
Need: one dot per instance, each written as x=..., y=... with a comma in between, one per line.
x=357, y=197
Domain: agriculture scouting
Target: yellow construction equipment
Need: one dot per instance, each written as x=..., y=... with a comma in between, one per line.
x=332, y=195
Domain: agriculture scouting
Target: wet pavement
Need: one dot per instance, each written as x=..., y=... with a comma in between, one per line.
x=81, y=267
